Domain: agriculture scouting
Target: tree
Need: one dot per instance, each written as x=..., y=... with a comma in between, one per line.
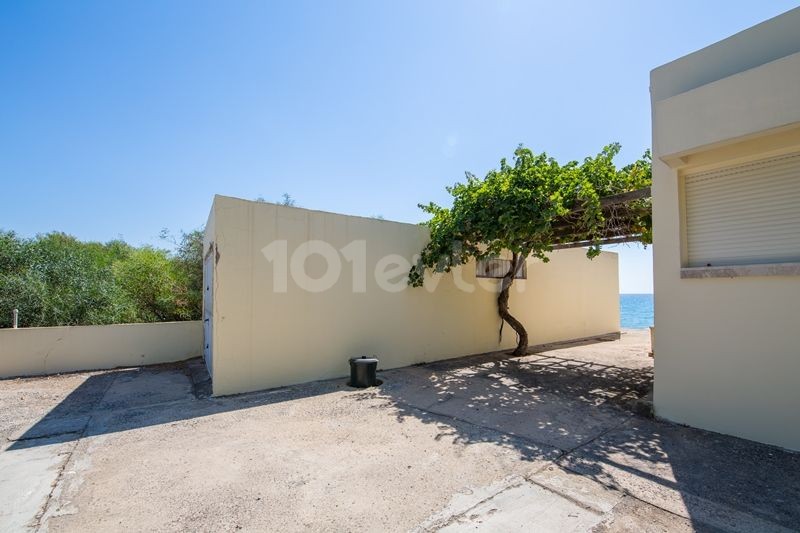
x=529, y=207
x=56, y=280
x=189, y=262
x=287, y=200
x=151, y=280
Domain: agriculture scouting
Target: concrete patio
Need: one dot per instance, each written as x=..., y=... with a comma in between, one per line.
x=547, y=442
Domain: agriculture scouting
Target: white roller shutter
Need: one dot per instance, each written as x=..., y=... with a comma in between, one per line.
x=744, y=214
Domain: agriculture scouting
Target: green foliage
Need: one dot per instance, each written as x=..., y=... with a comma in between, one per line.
x=286, y=200
x=54, y=279
x=188, y=260
x=149, y=279
x=518, y=208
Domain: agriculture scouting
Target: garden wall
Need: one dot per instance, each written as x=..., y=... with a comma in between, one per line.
x=297, y=292
x=35, y=351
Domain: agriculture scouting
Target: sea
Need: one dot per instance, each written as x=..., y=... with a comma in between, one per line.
x=635, y=311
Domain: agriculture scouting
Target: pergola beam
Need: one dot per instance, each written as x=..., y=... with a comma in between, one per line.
x=606, y=203
x=613, y=235
x=625, y=197
x=605, y=241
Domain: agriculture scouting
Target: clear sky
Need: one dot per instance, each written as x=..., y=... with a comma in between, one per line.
x=119, y=119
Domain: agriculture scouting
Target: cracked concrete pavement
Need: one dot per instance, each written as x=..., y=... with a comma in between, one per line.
x=545, y=442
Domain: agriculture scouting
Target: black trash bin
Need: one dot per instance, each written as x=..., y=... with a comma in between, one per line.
x=362, y=372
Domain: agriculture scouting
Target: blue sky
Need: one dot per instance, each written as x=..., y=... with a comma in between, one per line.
x=119, y=119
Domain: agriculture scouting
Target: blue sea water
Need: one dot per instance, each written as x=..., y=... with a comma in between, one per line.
x=635, y=310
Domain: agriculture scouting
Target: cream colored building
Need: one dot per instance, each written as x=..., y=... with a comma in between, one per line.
x=726, y=193
x=291, y=294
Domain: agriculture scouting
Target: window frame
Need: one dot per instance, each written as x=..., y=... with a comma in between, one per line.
x=482, y=268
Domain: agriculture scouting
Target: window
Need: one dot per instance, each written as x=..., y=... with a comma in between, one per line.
x=498, y=268
x=745, y=214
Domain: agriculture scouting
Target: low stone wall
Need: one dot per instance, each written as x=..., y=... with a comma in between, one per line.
x=36, y=351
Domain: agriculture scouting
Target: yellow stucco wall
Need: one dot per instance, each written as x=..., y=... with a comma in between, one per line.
x=36, y=351
x=264, y=338
x=727, y=351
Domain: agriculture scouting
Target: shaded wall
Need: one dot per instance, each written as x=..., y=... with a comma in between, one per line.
x=267, y=335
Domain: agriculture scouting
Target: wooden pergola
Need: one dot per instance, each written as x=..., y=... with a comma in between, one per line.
x=621, y=212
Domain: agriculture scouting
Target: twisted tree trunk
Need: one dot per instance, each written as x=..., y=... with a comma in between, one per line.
x=502, y=306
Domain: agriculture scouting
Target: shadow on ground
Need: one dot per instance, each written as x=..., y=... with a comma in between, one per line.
x=543, y=398
x=589, y=411
x=573, y=407
x=122, y=400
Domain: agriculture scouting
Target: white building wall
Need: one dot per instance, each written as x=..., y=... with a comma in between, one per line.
x=727, y=352
x=267, y=336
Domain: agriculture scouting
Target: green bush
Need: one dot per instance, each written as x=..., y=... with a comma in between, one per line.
x=56, y=280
